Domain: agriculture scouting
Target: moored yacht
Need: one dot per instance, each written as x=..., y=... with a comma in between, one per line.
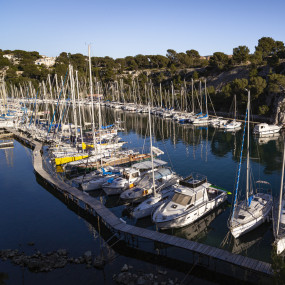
x=194, y=198
x=160, y=179
x=131, y=176
x=265, y=129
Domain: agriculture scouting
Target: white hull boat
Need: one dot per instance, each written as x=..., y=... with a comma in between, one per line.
x=193, y=199
x=264, y=129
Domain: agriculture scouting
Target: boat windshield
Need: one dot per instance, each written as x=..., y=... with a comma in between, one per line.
x=181, y=199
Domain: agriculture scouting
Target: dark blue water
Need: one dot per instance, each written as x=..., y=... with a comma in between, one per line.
x=31, y=213
x=216, y=154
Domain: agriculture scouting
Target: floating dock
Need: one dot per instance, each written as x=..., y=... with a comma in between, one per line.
x=212, y=258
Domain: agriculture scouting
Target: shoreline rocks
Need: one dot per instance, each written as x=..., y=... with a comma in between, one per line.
x=39, y=262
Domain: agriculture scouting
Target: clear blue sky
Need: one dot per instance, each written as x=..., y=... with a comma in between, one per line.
x=118, y=28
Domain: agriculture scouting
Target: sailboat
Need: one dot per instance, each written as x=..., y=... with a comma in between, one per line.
x=279, y=209
x=152, y=182
x=201, y=119
x=233, y=125
x=256, y=208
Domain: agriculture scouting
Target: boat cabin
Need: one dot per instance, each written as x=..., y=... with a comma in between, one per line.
x=189, y=197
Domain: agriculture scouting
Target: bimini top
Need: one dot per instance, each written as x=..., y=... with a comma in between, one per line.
x=147, y=164
x=194, y=180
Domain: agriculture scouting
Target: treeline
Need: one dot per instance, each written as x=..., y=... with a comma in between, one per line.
x=264, y=70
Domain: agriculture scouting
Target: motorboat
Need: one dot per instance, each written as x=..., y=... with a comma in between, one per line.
x=266, y=129
x=148, y=206
x=163, y=177
x=131, y=176
x=194, y=198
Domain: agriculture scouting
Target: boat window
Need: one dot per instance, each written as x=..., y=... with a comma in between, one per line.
x=181, y=199
x=241, y=217
x=136, y=174
x=199, y=195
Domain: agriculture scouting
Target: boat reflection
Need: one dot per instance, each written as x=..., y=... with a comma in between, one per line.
x=242, y=244
x=266, y=138
x=199, y=229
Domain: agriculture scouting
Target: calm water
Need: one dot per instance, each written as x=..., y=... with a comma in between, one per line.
x=214, y=153
x=31, y=213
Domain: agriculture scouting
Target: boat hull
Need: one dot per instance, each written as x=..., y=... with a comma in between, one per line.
x=192, y=215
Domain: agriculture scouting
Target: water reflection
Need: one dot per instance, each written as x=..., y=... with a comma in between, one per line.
x=200, y=228
x=3, y=277
x=250, y=240
x=265, y=139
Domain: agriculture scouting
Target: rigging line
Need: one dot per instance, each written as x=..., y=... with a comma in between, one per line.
x=166, y=150
x=236, y=190
x=145, y=137
x=58, y=101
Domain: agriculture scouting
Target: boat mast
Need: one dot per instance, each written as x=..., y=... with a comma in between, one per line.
x=281, y=192
x=247, y=160
x=206, y=101
x=200, y=90
x=91, y=94
x=192, y=95
x=235, y=107
x=151, y=154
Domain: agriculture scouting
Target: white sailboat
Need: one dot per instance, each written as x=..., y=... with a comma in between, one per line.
x=233, y=125
x=256, y=208
x=151, y=182
x=279, y=209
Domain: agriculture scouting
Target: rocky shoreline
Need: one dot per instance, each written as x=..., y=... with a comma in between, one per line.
x=39, y=262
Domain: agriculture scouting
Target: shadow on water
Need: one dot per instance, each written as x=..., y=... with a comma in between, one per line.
x=3, y=276
x=147, y=252
x=199, y=229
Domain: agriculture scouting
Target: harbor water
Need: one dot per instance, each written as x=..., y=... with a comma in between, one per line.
x=35, y=218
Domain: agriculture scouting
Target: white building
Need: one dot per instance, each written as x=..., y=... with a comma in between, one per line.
x=45, y=60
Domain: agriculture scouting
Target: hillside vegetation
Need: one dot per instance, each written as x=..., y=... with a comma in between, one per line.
x=262, y=72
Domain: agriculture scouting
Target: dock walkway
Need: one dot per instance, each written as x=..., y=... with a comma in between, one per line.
x=212, y=258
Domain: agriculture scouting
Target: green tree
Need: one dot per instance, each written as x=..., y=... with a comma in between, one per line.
x=172, y=69
x=257, y=86
x=240, y=54
x=256, y=58
x=263, y=110
x=219, y=60
x=253, y=72
x=227, y=90
x=195, y=75
x=276, y=83
x=267, y=46
x=158, y=61
x=238, y=87
x=193, y=53
x=273, y=60
x=172, y=55
x=4, y=62
x=131, y=63
x=31, y=71
x=142, y=61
